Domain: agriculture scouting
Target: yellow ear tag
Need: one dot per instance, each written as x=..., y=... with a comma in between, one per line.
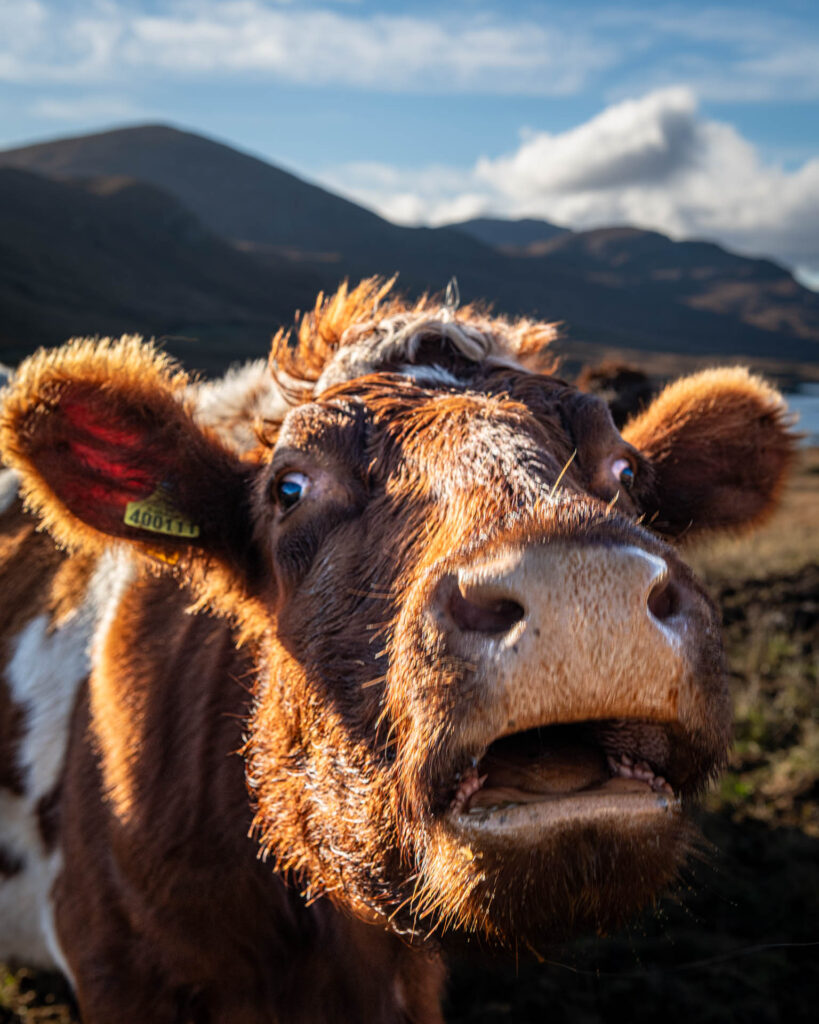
x=158, y=514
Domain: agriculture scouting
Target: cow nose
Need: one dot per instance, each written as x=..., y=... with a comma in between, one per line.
x=665, y=598
x=614, y=590
x=483, y=608
x=562, y=630
x=482, y=599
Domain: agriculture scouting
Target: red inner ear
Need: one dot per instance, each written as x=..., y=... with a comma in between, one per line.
x=97, y=458
x=106, y=442
x=84, y=417
x=130, y=478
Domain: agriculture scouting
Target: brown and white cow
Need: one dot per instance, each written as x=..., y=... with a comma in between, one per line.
x=281, y=711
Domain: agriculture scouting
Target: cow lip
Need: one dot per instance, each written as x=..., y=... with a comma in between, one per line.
x=607, y=803
x=562, y=769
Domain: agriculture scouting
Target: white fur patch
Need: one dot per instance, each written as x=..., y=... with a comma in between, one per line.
x=431, y=375
x=234, y=403
x=27, y=928
x=43, y=675
x=114, y=572
x=53, y=865
x=398, y=340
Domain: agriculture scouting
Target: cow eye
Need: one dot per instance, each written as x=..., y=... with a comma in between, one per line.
x=623, y=472
x=289, y=489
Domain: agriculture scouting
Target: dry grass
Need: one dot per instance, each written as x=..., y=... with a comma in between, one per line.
x=34, y=998
x=768, y=589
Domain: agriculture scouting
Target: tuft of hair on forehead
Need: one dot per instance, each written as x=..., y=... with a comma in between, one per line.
x=362, y=330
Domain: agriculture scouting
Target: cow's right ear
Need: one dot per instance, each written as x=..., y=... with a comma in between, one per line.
x=108, y=449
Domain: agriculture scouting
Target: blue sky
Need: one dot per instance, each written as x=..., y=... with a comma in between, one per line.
x=699, y=119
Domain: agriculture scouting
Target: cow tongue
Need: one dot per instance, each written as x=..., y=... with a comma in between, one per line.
x=512, y=777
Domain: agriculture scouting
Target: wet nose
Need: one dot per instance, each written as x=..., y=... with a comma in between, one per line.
x=478, y=602
x=562, y=631
x=625, y=586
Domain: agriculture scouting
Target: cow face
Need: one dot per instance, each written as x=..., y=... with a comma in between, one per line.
x=485, y=689
x=507, y=686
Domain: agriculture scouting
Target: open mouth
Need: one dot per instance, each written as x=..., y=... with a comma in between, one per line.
x=578, y=765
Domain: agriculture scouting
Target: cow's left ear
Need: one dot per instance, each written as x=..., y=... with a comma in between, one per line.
x=720, y=445
x=108, y=449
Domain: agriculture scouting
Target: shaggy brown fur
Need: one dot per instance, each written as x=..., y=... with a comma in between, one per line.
x=371, y=314
x=720, y=450
x=339, y=644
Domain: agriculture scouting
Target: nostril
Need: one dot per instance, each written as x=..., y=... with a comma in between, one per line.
x=664, y=599
x=477, y=612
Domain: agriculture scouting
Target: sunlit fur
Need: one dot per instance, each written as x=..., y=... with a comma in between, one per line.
x=368, y=737
x=724, y=425
x=306, y=641
x=371, y=327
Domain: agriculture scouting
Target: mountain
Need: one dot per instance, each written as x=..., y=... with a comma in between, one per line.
x=223, y=246
x=702, y=275
x=509, y=234
x=244, y=199
x=112, y=255
x=236, y=195
x=650, y=292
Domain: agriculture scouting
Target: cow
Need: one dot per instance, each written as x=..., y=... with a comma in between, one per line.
x=627, y=389
x=313, y=671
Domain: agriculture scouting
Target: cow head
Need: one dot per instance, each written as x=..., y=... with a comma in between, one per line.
x=487, y=685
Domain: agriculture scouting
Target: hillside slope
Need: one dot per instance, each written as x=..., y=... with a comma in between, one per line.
x=509, y=234
x=112, y=255
x=624, y=288
x=245, y=199
x=701, y=275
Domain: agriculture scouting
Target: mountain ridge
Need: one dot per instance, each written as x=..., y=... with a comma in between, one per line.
x=623, y=287
x=510, y=234
x=110, y=256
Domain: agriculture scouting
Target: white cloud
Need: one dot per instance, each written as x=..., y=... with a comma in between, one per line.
x=307, y=45
x=721, y=53
x=653, y=162
x=41, y=44
x=807, y=276
x=462, y=47
x=635, y=142
x=21, y=33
